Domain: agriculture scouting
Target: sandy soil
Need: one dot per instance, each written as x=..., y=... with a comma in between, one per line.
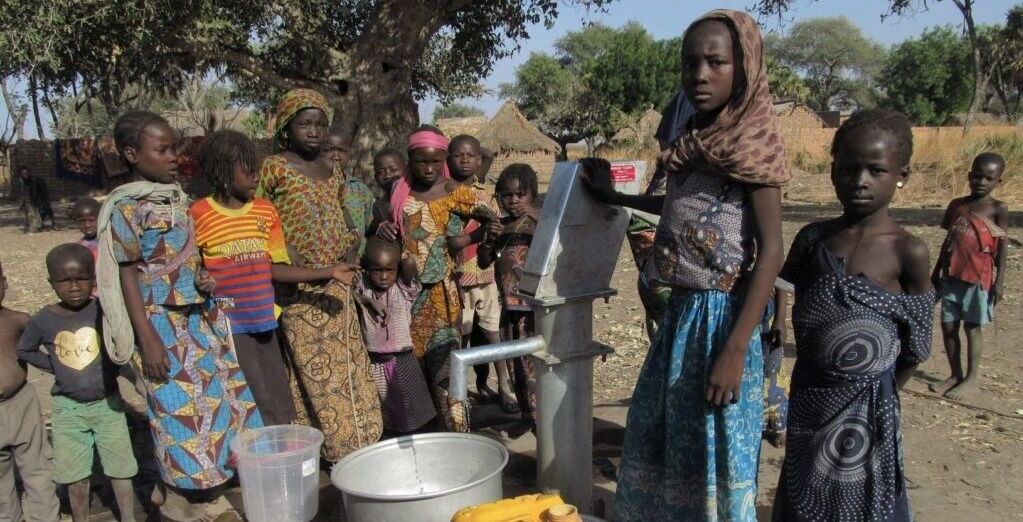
x=962, y=460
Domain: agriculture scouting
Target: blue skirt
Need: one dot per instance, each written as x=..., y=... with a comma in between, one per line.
x=684, y=460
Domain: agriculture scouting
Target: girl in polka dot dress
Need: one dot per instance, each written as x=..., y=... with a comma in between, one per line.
x=863, y=316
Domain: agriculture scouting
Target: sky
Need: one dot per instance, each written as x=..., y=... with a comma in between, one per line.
x=668, y=18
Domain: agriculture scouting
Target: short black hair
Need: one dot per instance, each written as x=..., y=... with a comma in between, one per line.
x=986, y=158
x=389, y=152
x=85, y=204
x=464, y=138
x=69, y=252
x=220, y=153
x=890, y=122
x=522, y=173
x=376, y=245
x=130, y=125
x=22, y=168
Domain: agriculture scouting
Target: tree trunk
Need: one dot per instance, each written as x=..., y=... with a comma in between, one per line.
x=17, y=113
x=34, y=95
x=373, y=124
x=979, y=78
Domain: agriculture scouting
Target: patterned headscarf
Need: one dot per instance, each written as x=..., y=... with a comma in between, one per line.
x=421, y=139
x=744, y=141
x=291, y=104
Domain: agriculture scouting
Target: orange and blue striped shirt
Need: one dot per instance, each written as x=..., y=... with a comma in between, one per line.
x=238, y=246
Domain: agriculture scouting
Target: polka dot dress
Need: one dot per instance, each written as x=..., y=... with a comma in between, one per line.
x=843, y=460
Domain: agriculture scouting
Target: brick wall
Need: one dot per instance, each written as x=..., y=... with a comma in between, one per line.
x=800, y=117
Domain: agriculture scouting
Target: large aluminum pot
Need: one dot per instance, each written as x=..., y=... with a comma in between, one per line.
x=420, y=478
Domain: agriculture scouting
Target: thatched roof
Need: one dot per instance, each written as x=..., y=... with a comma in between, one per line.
x=643, y=131
x=471, y=125
x=510, y=131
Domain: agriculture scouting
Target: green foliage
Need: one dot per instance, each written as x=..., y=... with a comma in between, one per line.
x=1002, y=57
x=785, y=84
x=636, y=73
x=836, y=61
x=924, y=77
x=455, y=110
x=254, y=125
x=598, y=76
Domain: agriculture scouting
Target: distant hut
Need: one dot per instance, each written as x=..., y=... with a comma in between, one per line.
x=639, y=135
x=471, y=125
x=513, y=139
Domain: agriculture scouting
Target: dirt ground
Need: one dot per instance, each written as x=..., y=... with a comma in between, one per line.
x=963, y=461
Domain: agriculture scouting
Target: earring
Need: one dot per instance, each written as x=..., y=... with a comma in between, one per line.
x=900, y=184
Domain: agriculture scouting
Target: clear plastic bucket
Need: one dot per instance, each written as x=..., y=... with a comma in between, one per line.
x=278, y=467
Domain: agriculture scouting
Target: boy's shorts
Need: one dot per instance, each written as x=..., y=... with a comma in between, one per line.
x=482, y=302
x=80, y=426
x=962, y=301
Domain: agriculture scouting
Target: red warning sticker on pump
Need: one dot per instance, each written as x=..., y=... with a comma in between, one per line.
x=623, y=173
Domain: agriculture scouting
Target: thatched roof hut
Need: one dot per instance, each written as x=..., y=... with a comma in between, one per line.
x=640, y=134
x=471, y=125
x=509, y=131
x=513, y=139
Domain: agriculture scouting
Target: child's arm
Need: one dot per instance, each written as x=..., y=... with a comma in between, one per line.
x=485, y=255
x=343, y=273
x=596, y=177
x=456, y=243
x=1002, y=220
x=726, y=374
x=915, y=260
x=28, y=348
x=778, y=327
x=155, y=363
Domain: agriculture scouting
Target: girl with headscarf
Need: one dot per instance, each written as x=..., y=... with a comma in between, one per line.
x=427, y=207
x=692, y=436
x=334, y=389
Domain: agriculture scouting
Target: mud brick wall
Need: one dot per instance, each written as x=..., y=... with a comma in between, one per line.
x=38, y=157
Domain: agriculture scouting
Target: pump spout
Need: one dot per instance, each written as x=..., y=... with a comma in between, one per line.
x=461, y=360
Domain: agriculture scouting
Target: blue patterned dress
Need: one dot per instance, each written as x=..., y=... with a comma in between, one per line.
x=195, y=414
x=843, y=458
x=683, y=460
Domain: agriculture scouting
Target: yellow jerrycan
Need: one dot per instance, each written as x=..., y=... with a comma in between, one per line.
x=527, y=508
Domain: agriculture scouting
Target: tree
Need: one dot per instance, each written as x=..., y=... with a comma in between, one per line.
x=785, y=84
x=455, y=110
x=207, y=104
x=371, y=58
x=922, y=76
x=832, y=56
x=1002, y=57
x=635, y=73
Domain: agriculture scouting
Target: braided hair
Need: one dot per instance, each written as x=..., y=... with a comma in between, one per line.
x=522, y=173
x=218, y=156
x=889, y=122
x=129, y=128
x=376, y=245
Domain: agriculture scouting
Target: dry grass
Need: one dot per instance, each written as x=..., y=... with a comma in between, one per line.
x=941, y=161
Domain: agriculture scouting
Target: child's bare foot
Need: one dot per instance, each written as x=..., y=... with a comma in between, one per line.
x=964, y=391
x=486, y=393
x=941, y=387
x=509, y=404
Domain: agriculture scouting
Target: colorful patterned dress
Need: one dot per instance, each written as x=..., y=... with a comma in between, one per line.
x=512, y=246
x=436, y=313
x=206, y=401
x=682, y=460
x=359, y=200
x=843, y=457
x=335, y=391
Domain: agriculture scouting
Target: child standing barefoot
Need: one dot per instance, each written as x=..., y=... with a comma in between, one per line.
x=23, y=443
x=197, y=397
x=242, y=244
x=88, y=414
x=386, y=316
x=506, y=247
x=969, y=273
x=693, y=432
x=426, y=207
x=862, y=316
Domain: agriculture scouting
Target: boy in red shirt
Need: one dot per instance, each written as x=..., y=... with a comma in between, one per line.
x=970, y=271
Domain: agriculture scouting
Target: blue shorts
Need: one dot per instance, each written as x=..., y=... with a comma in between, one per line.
x=962, y=301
